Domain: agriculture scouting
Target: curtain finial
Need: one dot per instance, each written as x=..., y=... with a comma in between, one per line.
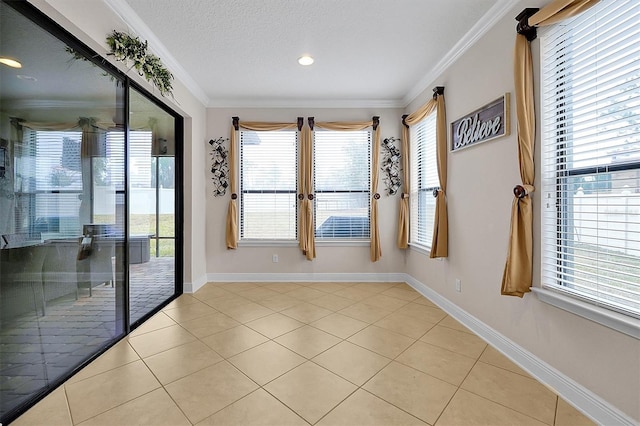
x=16, y=121
x=376, y=121
x=300, y=123
x=236, y=122
x=438, y=90
x=523, y=26
x=311, y=121
x=404, y=120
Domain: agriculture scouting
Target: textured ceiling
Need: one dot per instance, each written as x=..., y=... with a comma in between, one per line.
x=369, y=52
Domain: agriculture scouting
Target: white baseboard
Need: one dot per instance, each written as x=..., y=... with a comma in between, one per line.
x=194, y=286
x=577, y=395
x=306, y=277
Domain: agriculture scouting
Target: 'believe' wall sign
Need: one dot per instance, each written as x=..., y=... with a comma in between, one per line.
x=484, y=124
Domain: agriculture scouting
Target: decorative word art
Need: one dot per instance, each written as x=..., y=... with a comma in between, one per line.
x=487, y=123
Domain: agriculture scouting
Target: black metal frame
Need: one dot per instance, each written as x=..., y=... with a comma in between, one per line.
x=56, y=30
x=179, y=200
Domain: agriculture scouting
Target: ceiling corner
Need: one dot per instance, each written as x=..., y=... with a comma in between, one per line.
x=484, y=24
x=139, y=27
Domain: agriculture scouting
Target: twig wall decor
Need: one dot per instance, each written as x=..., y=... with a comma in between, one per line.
x=391, y=165
x=219, y=166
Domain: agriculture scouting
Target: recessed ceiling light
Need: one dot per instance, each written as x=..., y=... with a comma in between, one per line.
x=10, y=62
x=26, y=77
x=305, y=60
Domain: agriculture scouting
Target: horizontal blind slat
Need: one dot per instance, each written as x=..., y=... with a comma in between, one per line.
x=268, y=185
x=591, y=156
x=342, y=182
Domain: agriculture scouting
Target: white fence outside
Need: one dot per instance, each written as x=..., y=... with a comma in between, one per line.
x=141, y=201
x=611, y=220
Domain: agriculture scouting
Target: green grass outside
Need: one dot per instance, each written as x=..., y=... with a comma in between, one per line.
x=146, y=224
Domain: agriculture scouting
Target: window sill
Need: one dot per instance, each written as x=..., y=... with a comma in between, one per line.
x=614, y=320
x=420, y=249
x=267, y=243
x=319, y=243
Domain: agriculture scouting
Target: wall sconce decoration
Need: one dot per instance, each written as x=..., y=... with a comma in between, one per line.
x=219, y=166
x=391, y=165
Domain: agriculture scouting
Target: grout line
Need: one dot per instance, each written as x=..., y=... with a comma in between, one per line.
x=311, y=360
x=66, y=398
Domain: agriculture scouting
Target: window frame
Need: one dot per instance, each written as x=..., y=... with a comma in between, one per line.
x=253, y=241
x=333, y=239
x=414, y=193
x=558, y=174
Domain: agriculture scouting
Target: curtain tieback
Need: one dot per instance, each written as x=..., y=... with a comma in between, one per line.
x=310, y=196
x=521, y=191
x=234, y=196
x=404, y=195
x=376, y=196
x=435, y=193
x=300, y=197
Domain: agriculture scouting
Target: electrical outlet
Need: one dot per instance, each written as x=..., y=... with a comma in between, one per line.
x=274, y=258
x=458, y=285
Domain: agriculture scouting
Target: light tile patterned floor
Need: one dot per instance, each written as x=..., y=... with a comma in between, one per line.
x=300, y=354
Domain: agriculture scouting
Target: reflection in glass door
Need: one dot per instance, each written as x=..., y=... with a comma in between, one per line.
x=80, y=178
x=152, y=208
x=62, y=250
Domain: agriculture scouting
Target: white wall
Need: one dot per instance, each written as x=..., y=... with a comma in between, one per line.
x=329, y=259
x=480, y=186
x=481, y=179
x=91, y=23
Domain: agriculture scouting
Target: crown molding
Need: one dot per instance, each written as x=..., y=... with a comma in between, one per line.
x=305, y=103
x=137, y=25
x=484, y=24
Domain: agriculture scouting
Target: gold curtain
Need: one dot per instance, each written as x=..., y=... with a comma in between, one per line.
x=440, y=242
x=307, y=230
x=403, y=215
x=376, y=250
x=232, y=210
x=518, y=270
x=403, y=212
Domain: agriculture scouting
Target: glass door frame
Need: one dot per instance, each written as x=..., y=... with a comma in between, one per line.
x=178, y=200
x=46, y=23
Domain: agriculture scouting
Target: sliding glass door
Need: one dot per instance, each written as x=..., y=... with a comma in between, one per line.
x=152, y=207
x=90, y=242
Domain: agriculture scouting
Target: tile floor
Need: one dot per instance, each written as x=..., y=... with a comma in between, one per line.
x=299, y=354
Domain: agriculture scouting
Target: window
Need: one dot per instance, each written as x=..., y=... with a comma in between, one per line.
x=48, y=183
x=591, y=156
x=424, y=180
x=268, y=185
x=342, y=175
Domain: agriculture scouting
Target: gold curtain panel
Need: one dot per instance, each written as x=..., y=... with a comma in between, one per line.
x=518, y=271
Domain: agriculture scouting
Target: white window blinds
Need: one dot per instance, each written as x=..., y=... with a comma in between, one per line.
x=268, y=178
x=48, y=183
x=424, y=179
x=342, y=176
x=591, y=156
